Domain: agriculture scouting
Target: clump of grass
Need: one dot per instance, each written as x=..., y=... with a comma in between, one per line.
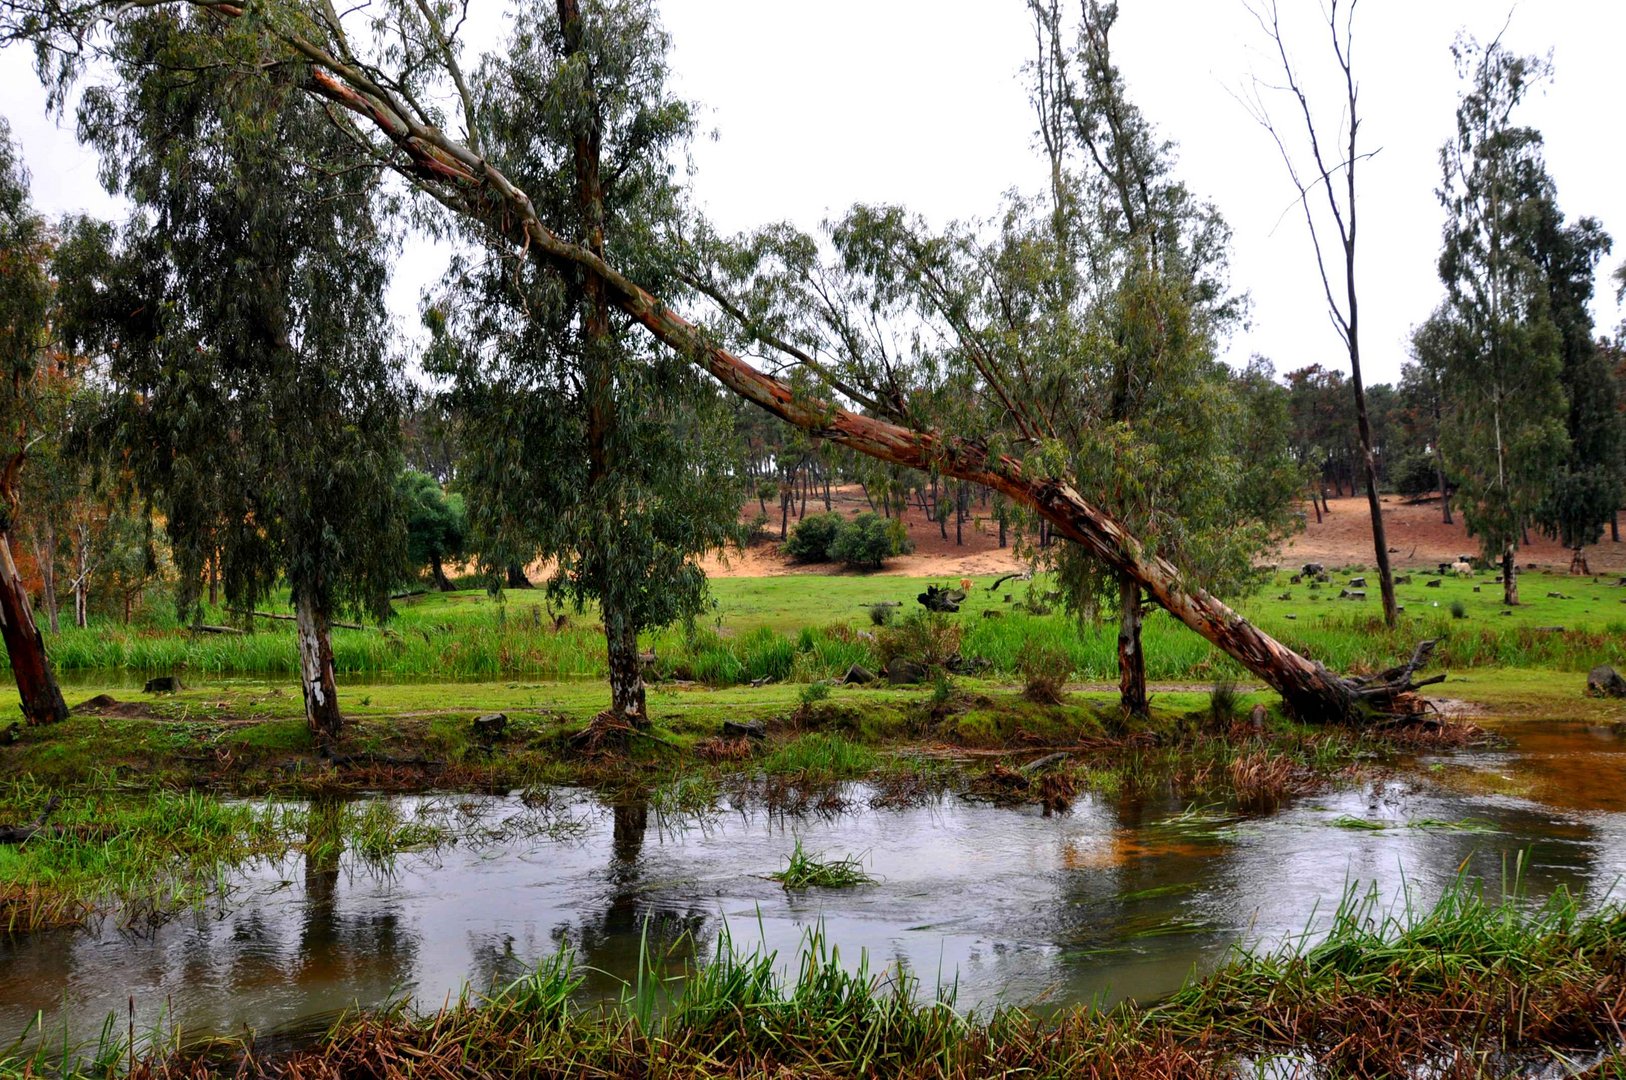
x=1045, y=669
x=820, y=757
x=881, y=614
x=1222, y=703
x=1459, y=610
x=806, y=871
x=813, y=693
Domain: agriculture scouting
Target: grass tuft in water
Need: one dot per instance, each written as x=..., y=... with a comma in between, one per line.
x=807, y=871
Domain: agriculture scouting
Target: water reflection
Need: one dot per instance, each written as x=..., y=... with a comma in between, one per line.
x=1119, y=897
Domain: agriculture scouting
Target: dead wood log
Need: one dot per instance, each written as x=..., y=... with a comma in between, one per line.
x=294, y=618
x=21, y=834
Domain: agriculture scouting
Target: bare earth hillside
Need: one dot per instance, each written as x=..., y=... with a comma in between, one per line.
x=1417, y=535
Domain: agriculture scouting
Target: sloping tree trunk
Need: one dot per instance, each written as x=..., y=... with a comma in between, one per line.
x=36, y=686
x=473, y=186
x=1131, y=657
x=316, y=680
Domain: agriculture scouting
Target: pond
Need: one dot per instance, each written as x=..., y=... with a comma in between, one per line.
x=1115, y=899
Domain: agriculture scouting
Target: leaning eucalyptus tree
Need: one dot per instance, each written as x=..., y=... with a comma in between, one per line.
x=240, y=320
x=603, y=455
x=384, y=89
x=1150, y=423
x=25, y=327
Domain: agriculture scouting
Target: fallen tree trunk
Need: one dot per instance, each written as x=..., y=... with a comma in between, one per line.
x=462, y=179
x=21, y=834
x=295, y=618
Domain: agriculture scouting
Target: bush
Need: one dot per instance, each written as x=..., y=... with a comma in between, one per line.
x=814, y=537
x=926, y=637
x=881, y=614
x=868, y=540
x=1045, y=670
x=1459, y=610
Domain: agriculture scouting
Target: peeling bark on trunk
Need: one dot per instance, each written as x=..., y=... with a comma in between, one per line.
x=474, y=187
x=1131, y=658
x=1578, y=564
x=1510, y=577
x=626, y=674
x=36, y=686
x=45, y=559
x=316, y=680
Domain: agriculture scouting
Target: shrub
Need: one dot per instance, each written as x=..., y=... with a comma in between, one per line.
x=1045, y=669
x=1222, y=702
x=881, y=614
x=813, y=537
x=1459, y=610
x=868, y=540
x=928, y=637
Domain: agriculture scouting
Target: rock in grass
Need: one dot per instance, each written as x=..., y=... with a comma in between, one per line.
x=1433, y=584
x=753, y=728
x=858, y=675
x=489, y=727
x=901, y=672
x=1605, y=681
x=1357, y=583
x=163, y=684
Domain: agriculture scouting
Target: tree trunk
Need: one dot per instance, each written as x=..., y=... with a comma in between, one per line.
x=36, y=686
x=214, y=578
x=1510, y=577
x=81, y=601
x=784, y=510
x=1445, y=493
x=1578, y=564
x=626, y=673
x=316, y=680
x=516, y=577
x=1614, y=526
x=1131, y=658
x=45, y=556
x=438, y=573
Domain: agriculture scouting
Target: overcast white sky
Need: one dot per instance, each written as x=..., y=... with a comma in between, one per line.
x=920, y=102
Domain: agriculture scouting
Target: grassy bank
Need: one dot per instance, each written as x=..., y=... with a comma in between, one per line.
x=811, y=627
x=1463, y=989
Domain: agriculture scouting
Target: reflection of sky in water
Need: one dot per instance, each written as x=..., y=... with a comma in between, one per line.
x=1108, y=901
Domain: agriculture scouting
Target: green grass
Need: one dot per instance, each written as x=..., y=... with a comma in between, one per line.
x=806, y=870
x=808, y=627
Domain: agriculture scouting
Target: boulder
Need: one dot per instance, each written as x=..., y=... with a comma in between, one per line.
x=1433, y=583
x=901, y=672
x=1605, y=681
x=163, y=684
x=489, y=727
x=754, y=729
x=858, y=675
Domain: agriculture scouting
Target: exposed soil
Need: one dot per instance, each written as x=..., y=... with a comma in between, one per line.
x=1419, y=537
x=977, y=552
x=1417, y=534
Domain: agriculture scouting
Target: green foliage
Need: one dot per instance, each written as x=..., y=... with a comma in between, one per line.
x=241, y=312
x=814, y=537
x=436, y=523
x=868, y=540
x=607, y=456
x=1496, y=344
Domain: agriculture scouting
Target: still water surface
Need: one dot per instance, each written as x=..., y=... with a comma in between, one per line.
x=1114, y=899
